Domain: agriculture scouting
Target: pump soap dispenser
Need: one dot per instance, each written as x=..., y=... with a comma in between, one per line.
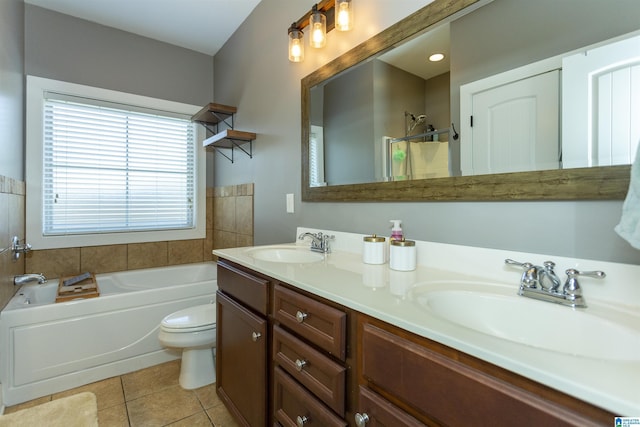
x=396, y=230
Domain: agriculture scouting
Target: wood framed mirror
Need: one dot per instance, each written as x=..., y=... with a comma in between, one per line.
x=584, y=183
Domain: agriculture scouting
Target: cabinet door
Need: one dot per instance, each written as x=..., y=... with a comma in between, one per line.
x=241, y=361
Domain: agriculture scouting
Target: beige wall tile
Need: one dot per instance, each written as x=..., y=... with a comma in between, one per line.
x=103, y=259
x=244, y=215
x=244, y=240
x=224, y=214
x=224, y=239
x=11, y=224
x=147, y=255
x=209, y=221
x=208, y=247
x=185, y=251
x=54, y=262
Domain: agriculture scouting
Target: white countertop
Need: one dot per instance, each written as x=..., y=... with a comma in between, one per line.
x=375, y=290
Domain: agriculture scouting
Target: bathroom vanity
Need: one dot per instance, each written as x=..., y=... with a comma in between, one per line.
x=312, y=339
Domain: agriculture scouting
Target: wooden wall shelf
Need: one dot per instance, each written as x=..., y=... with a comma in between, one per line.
x=224, y=141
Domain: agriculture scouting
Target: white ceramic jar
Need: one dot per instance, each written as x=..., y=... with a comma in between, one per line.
x=402, y=255
x=374, y=250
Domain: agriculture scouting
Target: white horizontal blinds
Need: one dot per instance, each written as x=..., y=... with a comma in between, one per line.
x=112, y=170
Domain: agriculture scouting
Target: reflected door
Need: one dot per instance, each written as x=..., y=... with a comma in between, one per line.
x=514, y=127
x=601, y=124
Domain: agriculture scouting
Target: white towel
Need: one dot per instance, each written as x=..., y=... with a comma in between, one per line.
x=629, y=227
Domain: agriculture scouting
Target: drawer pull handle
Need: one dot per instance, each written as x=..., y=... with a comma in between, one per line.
x=302, y=420
x=300, y=364
x=361, y=419
x=300, y=316
x=255, y=336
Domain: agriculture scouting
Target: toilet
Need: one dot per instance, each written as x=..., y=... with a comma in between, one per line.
x=193, y=330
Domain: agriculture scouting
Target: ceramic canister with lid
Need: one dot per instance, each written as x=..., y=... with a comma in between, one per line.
x=403, y=255
x=374, y=250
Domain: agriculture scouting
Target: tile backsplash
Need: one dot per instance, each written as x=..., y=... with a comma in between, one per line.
x=229, y=224
x=12, y=196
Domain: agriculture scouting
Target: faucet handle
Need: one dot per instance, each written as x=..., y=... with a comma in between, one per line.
x=572, y=287
x=524, y=265
x=529, y=277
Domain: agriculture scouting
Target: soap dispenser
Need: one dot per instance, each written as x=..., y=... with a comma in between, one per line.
x=396, y=230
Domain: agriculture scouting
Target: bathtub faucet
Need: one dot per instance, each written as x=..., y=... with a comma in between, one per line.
x=26, y=278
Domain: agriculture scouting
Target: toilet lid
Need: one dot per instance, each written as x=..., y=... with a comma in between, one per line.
x=192, y=317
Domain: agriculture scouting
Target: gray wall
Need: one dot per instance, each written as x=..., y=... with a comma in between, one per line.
x=11, y=88
x=62, y=47
x=252, y=71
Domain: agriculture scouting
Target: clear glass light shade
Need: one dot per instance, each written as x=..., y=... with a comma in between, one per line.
x=296, y=45
x=344, y=15
x=318, y=26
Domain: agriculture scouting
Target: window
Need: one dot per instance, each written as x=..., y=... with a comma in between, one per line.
x=105, y=167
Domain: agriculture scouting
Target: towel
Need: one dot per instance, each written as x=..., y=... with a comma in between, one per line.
x=629, y=226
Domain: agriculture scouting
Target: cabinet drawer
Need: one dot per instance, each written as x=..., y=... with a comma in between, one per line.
x=381, y=412
x=319, y=323
x=450, y=392
x=319, y=374
x=251, y=290
x=291, y=401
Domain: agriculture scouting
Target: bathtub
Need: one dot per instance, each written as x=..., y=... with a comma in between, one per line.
x=47, y=347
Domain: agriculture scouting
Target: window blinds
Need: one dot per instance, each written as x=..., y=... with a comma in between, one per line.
x=112, y=170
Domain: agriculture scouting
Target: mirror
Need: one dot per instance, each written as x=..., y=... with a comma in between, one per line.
x=476, y=63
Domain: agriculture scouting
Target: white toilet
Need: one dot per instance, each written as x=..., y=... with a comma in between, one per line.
x=194, y=331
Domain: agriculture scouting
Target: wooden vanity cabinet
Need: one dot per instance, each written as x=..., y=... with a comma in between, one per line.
x=242, y=346
x=407, y=380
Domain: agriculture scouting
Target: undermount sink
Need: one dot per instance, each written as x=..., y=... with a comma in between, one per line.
x=286, y=254
x=504, y=314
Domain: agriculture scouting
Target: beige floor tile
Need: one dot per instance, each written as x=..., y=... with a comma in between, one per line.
x=25, y=405
x=150, y=380
x=207, y=396
x=198, y=420
x=108, y=392
x=221, y=417
x=163, y=407
x=115, y=416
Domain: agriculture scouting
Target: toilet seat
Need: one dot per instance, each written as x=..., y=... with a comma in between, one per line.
x=192, y=319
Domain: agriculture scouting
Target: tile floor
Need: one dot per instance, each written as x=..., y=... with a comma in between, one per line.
x=150, y=397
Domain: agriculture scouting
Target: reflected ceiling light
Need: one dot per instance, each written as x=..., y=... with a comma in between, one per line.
x=318, y=24
x=296, y=44
x=344, y=15
x=323, y=17
x=436, y=57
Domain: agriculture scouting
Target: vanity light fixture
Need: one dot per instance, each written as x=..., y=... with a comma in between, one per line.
x=323, y=17
x=436, y=57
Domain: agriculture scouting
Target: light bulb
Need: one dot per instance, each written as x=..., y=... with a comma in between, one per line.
x=296, y=45
x=318, y=24
x=344, y=15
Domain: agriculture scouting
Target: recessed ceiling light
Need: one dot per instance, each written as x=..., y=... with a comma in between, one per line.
x=436, y=57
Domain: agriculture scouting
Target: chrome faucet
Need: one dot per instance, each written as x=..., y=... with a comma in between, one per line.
x=319, y=241
x=541, y=282
x=26, y=278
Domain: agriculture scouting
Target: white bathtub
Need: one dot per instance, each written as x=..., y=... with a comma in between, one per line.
x=46, y=347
